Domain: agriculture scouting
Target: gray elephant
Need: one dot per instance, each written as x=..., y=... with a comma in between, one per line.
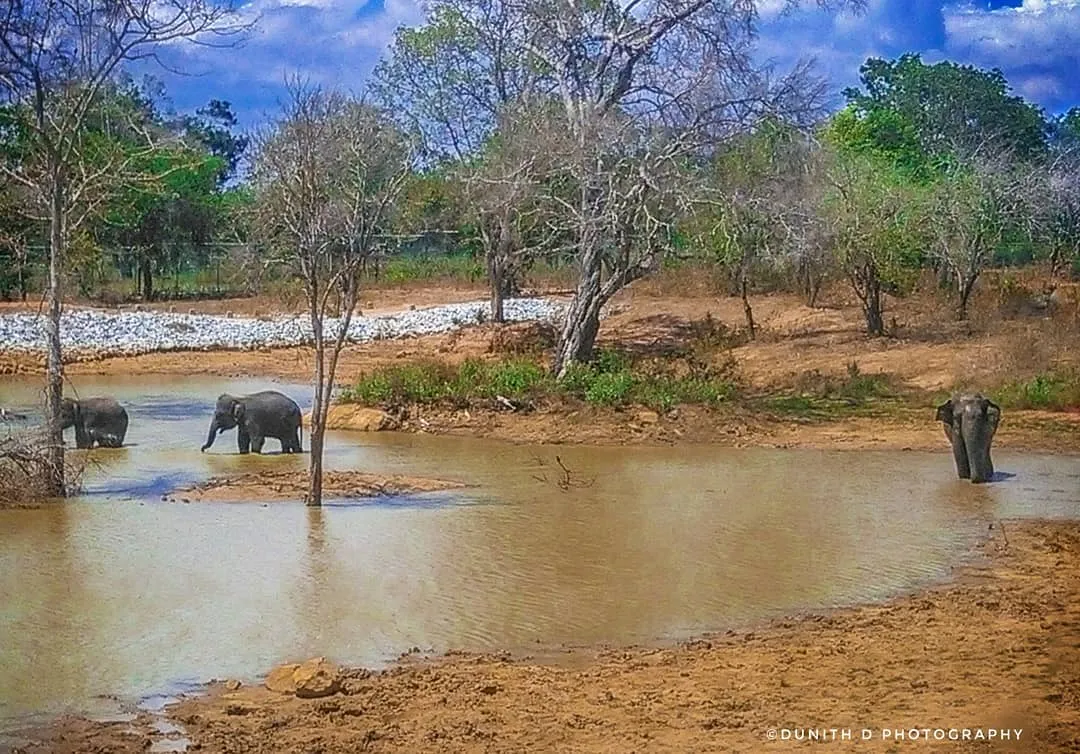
x=96, y=420
x=256, y=417
x=970, y=423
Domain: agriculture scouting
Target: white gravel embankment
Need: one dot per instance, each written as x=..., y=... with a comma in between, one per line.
x=87, y=332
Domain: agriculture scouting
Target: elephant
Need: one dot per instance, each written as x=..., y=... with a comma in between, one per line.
x=96, y=420
x=970, y=423
x=258, y=416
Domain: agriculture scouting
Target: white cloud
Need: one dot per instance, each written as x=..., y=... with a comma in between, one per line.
x=329, y=42
x=1036, y=45
x=1039, y=31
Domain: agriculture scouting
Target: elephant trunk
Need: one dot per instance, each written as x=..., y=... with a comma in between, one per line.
x=211, y=436
x=977, y=443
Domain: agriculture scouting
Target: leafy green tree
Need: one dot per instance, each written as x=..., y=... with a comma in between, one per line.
x=952, y=109
x=874, y=212
x=171, y=215
x=214, y=127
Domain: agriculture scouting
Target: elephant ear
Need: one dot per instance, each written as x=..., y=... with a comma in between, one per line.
x=993, y=414
x=945, y=413
x=238, y=411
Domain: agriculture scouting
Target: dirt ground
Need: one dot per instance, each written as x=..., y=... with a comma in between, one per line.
x=997, y=648
x=264, y=486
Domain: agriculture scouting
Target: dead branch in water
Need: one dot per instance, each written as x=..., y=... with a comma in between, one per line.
x=26, y=468
x=566, y=481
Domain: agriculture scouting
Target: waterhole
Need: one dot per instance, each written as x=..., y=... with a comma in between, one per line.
x=119, y=593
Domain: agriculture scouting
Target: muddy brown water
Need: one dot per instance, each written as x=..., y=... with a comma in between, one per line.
x=119, y=593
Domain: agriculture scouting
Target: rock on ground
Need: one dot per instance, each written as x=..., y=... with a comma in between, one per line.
x=312, y=679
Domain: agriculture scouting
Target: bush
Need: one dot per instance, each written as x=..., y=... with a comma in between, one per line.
x=1052, y=391
x=611, y=380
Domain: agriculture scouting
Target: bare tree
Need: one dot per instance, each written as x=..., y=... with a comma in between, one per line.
x=662, y=81
x=327, y=176
x=641, y=88
x=505, y=190
x=760, y=211
x=449, y=80
x=972, y=208
x=57, y=58
x=1053, y=206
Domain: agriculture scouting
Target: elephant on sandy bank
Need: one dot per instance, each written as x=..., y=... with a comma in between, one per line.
x=256, y=417
x=96, y=420
x=970, y=423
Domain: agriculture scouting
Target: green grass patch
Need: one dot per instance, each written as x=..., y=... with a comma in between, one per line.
x=611, y=380
x=420, y=267
x=1054, y=391
x=820, y=397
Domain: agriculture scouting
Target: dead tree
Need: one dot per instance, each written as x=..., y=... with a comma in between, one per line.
x=327, y=176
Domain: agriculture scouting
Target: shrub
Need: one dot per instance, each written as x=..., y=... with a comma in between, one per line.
x=1053, y=391
x=611, y=380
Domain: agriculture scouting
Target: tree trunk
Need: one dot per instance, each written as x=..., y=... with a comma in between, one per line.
x=966, y=287
x=495, y=276
x=811, y=282
x=146, y=277
x=318, y=426
x=748, y=312
x=875, y=319
x=582, y=322
x=55, y=383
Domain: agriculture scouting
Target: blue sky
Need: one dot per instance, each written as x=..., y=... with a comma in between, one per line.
x=1036, y=43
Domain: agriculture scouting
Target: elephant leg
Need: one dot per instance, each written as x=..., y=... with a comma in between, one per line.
x=243, y=440
x=290, y=443
x=83, y=440
x=257, y=443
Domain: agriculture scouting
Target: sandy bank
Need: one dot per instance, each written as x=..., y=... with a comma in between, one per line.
x=998, y=647
x=275, y=486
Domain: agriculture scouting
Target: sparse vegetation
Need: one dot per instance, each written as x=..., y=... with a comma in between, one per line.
x=820, y=397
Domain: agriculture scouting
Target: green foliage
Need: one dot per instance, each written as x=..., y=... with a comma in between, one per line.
x=612, y=380
x=426, y=267
x=949, y=107
x=1055, y=391
x=885, y=137
x=876, y=214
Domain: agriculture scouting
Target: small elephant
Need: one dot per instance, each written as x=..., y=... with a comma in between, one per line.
x=96, y=420
x=970, y=423
x=258, y=416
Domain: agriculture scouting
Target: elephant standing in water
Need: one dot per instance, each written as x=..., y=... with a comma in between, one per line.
x=970, y=423
x=256, y=417
x=96, y=420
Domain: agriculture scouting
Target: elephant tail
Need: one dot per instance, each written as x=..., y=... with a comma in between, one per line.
x=300, y=429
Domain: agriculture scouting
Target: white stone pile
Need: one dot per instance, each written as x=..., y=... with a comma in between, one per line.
x=129, y=333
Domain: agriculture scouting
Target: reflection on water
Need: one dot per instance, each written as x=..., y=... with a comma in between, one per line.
x=118, y=592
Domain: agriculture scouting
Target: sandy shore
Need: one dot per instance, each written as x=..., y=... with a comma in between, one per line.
x=998, y=648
